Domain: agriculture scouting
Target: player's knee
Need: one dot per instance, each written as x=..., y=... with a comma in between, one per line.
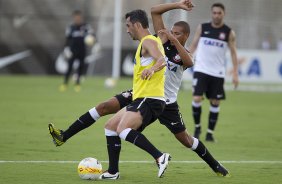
x=185, y=139
x=189, y=141
x=215, y=102
x=110, y=125
x=120, y=129
x=108, y=107
x=197, y=99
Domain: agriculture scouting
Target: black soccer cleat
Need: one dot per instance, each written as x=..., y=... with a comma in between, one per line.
x=210, y=138
x=221, y=171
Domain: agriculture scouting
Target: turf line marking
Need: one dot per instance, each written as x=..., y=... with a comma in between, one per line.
x=143, y=162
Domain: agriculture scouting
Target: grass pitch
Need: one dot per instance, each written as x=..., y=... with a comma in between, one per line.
x=248, y=132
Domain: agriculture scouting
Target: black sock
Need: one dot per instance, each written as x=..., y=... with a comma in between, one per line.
x=197, y=115
x=213, y=116
x=114, y=147
x=142, y=142
x=204, y=153
x=81, y=123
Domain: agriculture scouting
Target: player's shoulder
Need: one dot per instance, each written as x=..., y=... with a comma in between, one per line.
x=205, y=25
x=225, y=26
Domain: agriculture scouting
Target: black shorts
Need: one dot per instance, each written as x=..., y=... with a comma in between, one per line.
x=172, y=118
x=210, y=85
x=124, y=98
x=149, y=108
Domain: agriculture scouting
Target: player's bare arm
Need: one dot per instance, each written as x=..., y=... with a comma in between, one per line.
x=150, y=49
x=185, y=56
x=158, y=10
x=194, y=44
x=233, y=51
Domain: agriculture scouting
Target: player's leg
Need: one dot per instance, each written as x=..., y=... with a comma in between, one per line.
x=199, y=87
x=113, y=146
x=138, y=115
x=198, y=147
x=172, y=119
x=80, y=68
x=110, y=106
x=69, y=70
x=215, y=93
x=213, y=117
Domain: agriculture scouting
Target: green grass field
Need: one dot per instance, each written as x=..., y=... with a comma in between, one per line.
x=249, y=129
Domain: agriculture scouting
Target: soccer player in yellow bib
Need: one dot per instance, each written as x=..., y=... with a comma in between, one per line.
x=148, y=97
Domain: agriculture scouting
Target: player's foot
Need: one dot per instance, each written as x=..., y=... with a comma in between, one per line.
x=210, y=138
x=197, y=132
x=77, y=88
x=107, y=176
x=162, y=163
x=63, y=88
x=221, y=171
x=56, y=134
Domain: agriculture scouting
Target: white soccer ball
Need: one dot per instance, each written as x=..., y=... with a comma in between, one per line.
x=110, y=83
x=89, y=169
x=89, y=40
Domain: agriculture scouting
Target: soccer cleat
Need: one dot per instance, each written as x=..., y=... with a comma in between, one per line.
x=63, y=88
x=162, y=163
x=56, y=134
x=209, y=137
x=221, y=171
x=108, y=176
x=197, y=132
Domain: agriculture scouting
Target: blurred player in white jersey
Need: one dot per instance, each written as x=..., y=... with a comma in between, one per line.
x=210, y=43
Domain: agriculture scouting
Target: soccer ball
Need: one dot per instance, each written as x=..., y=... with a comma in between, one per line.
x=110, y=83
x=89, y=40
x=89, y=169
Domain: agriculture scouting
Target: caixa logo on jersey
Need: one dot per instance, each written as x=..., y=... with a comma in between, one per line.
x=214, y=43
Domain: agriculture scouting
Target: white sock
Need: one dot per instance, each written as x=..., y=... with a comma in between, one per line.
x=94, y=114
x=196, y=104
x=124, y=133
x=110, y=132
x=195, y=143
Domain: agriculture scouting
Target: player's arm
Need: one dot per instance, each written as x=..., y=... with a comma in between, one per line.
x=185, y=56
x=68, y=36
x=233, y=51
x=158, y=10
x=151, y=48
x=194, y=44
x=67, y=51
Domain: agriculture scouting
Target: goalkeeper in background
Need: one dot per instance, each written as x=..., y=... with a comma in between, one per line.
x=79, y=35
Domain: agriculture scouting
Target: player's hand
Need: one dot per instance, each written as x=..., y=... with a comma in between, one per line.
x=235, y=80
x=168, y=34
x=186, y=5
x=67, y=53
x=147, y=74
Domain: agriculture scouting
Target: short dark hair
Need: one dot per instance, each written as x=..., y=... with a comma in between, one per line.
x=220, y=5
x=185, y=26
x=138, y=16
x=76, y=12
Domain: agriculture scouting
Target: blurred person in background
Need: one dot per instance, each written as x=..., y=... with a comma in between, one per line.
x=211, y=41
x=79, y=35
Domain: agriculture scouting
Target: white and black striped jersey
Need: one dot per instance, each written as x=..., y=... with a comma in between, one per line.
x=173, y=74
x=211, y=50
